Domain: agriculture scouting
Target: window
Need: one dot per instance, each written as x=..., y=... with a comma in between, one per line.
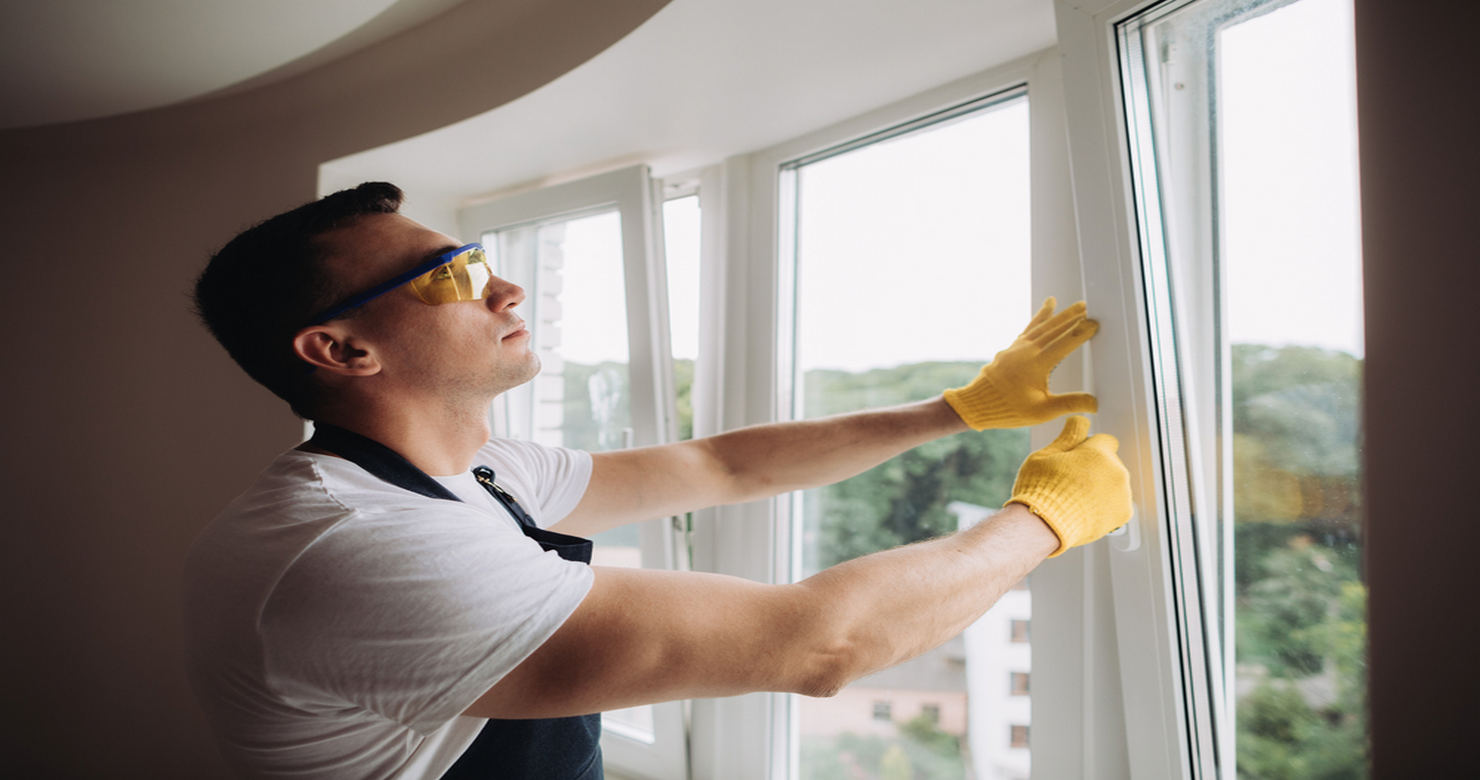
x=889, y=239
x=1018, y=684
x=1236, y=259
x=758, y=290
x=883, y=710
x=681, y=253
x=1018, y=736
x=1019, y=629
x=1260, y=218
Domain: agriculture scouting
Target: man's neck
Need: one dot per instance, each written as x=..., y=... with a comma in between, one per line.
x=439, y=444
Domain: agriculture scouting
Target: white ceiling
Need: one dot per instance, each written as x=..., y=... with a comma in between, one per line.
x=699, y=81
x=66, y=60
x=705, y=79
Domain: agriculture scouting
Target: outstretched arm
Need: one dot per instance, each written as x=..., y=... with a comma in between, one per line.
x=648, y=636
x=750, y=463
x=765, y=460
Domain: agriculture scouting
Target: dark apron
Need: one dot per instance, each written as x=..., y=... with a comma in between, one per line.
x=553, y=748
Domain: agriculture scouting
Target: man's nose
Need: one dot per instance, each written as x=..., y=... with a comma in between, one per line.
x=504, y=294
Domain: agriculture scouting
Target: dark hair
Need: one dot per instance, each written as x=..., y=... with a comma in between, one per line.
x=265, y=284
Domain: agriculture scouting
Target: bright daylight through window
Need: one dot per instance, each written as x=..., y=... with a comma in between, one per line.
x=911, y=263
x=1243, y=131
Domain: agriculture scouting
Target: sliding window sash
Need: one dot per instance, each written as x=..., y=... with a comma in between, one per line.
x=1170, y=649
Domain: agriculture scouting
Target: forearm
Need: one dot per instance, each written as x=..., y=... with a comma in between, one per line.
x=765, y=460
x=882, y=609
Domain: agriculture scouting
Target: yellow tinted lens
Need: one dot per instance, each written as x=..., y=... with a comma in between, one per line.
x=478, y=272
x=465, y=278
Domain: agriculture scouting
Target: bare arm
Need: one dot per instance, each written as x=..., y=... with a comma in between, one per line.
x=765, y=460
x=646, y=636
x=750, y=463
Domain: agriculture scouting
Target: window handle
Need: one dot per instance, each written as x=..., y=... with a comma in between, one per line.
x=1127, y=537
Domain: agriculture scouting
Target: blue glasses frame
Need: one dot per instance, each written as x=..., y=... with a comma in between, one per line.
x=390, y=284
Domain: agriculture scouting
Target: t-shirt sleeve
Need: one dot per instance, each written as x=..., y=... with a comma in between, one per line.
x=548, y=481
x=413, y=613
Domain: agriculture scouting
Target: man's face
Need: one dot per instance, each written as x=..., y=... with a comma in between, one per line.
x=466, y=351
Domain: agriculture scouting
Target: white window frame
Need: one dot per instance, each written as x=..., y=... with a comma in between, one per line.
x=632, y=193
x=1173, y=669
x=1078, y=709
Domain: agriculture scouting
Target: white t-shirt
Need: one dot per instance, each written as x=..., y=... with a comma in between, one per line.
x=338, y=626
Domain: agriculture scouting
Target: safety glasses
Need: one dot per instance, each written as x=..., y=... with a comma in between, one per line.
x=460, y=275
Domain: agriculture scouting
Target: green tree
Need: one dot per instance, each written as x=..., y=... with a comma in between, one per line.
x=1297, y=442
x=905, y=499
x=1300, y=600
x=683, y=385
x=895, y=765
x=919, y=749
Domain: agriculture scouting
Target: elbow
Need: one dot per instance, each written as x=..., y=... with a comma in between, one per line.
x=823, y=682
x=832, y=657
x=740, y=482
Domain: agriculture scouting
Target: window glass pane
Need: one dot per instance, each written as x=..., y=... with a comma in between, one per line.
x=1290, y=214
x=912, y=268
x=1252, y=172
x=681, y=248
x=572, y=273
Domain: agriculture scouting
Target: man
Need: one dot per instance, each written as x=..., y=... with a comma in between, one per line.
x=369, y=601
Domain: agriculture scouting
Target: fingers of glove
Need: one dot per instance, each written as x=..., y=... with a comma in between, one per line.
x=1049, y=329
x=1059, y=348
x=1075, y=429
x=1044, y=312
x=1054, y=329
x=1072, y=403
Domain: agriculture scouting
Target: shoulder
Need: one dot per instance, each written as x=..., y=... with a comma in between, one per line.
x=314, y=513
x=528, y=454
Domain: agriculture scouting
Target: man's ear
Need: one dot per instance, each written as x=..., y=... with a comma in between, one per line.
x=331, y=348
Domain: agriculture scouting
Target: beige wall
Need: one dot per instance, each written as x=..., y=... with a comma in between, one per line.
x=126, y=427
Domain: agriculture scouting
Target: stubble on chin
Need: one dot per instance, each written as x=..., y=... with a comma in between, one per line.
x=533, y=367
x=518, y=373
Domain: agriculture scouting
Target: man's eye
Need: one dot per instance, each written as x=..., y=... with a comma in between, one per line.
x=442, y=274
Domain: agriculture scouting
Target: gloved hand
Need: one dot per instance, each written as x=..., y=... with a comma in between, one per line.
x=1012, y=390
x=1077, y=485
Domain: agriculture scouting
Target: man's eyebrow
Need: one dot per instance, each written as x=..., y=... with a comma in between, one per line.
x=438, y=253
x=430, y=256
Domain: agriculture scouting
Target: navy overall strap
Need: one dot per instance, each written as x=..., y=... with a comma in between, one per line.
x=378, y=459
x=571, y=548
x=538, y=748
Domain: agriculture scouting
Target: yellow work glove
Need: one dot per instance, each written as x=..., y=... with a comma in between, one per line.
x=1077, y=485
x=1012, y=390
